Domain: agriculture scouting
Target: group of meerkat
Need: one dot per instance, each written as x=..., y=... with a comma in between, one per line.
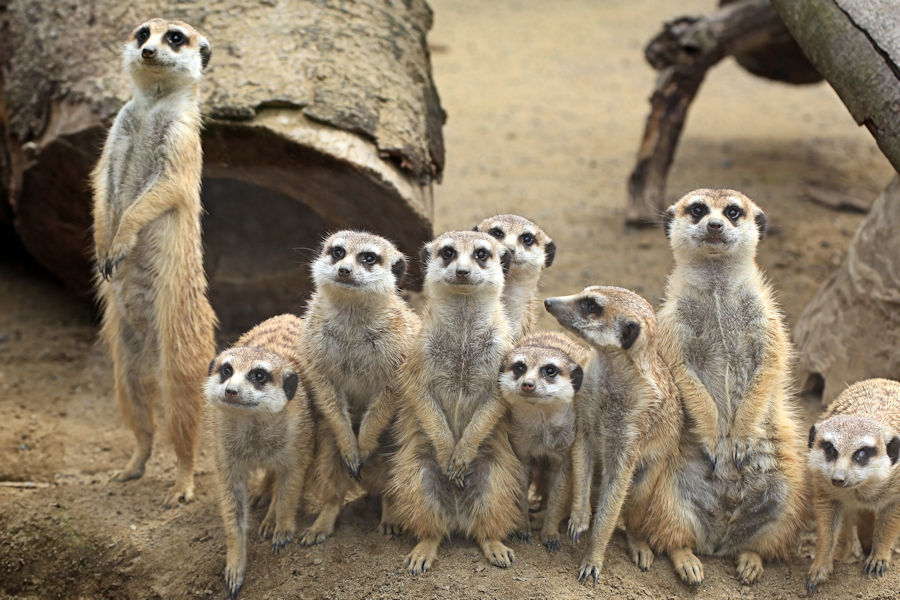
x=680, y=422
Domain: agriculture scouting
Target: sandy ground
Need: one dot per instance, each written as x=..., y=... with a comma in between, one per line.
x=546, y=103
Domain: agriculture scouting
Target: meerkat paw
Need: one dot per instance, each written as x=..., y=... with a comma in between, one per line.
x=498, y=554
x=422, y=556
x=742, y=451
x=281, y=537
x=578, y=524
x=182, y=493
x=129, y=473
x=523, y=534
x=590, y=570
x=688, y=566
x=234, y=579
x=816, y=575
x=353, y=464
x=550, y=541
x=641, y=553
x=267, y=526
x=457, y=468
x=876, y=566
x=749, y=567
x=390, y=528
x=314, y=535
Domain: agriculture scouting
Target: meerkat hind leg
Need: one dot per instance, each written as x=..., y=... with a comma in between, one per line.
x=687, y=566
x=134, y=394
x=334, y=481
x=749, y=566
x=422, y=555
x=389, y=524
x=497, y=553
x=640, y=550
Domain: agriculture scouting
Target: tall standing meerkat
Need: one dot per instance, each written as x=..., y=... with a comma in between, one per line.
x=742, y=484
x=157, y=320
x=531, y=251
x=358, y=331
x=455, y=470
x=540, y=380
x=262, y=419
x=853, y=452
x=628, y=425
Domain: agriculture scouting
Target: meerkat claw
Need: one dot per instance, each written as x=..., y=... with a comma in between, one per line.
x=552, y=545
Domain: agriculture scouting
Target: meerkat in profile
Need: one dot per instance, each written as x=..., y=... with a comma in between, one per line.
x=262, y=419
x=539, y=380
x=531, y=251
x=723, y=337
x=455, y=470
x=629, y=424
x=358, y=331
x=853, y=452
x=157, y=320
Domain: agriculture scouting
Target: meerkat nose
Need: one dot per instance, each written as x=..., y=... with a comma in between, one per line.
x=343, y=270
x=549, y=302
x=230, y=392
x=714, y=225
x=838, y=482
x=148, y=52
x=528, y=386
x=462, y=273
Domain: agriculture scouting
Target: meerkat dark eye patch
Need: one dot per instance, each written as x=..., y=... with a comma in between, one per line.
x=175, y=39
x=629, y=334
x=668, y=217
x=549, y=253
x=518, y=369
x=733, y=213
x=589, y=307
x=862, y=456
x=527, y=239
x=549, y=371
x=142, y=35
x=398, y=268
x=496, y=232
x=289, y=384
x=336, y=253
x=697, y=211
x=577, y=377
x=258, y=377
x=482, y=255
x=225, y=371
x=447, y=254
x=812, y=437
x=368, y=259
x=893, y=449
x=830, y=451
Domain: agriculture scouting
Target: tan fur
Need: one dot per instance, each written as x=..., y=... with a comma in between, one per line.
x=852, y=491
x=723, y=336
x=527, y=261
x=455, y=470
x=629, y=424
x=277, y=434
x=358, y=332
x=157, y=321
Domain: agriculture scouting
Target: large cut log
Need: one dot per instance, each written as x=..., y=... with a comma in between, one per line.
x=321, y=114
x=850, y=330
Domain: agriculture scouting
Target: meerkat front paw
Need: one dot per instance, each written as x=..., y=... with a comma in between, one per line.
x=876, y=566
x=234, y=577
x=688, y=566
x=817, y=574
x=498, y=554
x=459, y=464
x=353, y=464
x=180, y=494
x=281, y=537
x=742, y=450
x=749, y=567
x=641, y=553
x=313, y=535
x=579, y=521
x=523, y=534
x=590, y=570
x=422, y=556
x=550, y=541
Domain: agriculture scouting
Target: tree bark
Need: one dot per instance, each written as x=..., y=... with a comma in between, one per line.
x=321, y=115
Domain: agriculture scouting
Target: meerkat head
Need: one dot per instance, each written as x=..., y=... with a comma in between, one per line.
x=465, y=262
x=355, y=262
x=606, y=316
x=245, y=378
x=161, y=49
x=538, y=375
x=531, y=250
x=714, y=223
x=849, y=451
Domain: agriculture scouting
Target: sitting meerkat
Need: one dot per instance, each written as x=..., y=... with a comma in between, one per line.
x=357, y=333
x=742, y=485
x=455, y=470
x=628, y=424
x=531, y=251
x=853, y=452
x=262, y=419
x=540, y=380
x=157, y=320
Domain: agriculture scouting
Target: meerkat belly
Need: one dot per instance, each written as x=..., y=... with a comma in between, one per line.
x=138, y=156
x=256, y=444
x=350, y=357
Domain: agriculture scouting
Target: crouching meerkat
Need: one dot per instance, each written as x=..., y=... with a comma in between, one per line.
x=455, y=470
x=540, y=380
x=629, y=422
x=742, y=485
x=358, y=331
x=157, y=320
x=262, y=419
x=853, y=452
x=531, y=251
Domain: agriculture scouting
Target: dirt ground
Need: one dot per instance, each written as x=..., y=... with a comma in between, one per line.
x=546, y=102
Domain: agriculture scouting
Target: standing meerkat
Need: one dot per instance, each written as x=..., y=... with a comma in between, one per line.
x=262, y=419
x=531, y=251
x=157, y=320
x=628, y=425
x=540, y=380
x=853, y=452
x=455, y=470
x=358, y=331
x=723, y=337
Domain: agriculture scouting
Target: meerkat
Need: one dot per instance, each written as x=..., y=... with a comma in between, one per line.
x=629, y=424
x=262, y=419
x=853, y=452
x=539, y=380
x=151, y=285
x=723, y=337
x=455, y=470
x=531, y=251
x=358, y=331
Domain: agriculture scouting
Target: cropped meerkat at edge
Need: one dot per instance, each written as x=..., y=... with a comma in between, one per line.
x=853, y=464
x=723, y=337
x=157, y=320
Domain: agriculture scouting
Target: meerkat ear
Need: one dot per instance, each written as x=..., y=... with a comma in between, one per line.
x=398, y=268
x=629, y=334
x=762, y=222
x=668, y=217
x=425, y=255
x=289, y=383
x=549, y=253
x=893, y=449
x=475, y=228
x=505, y=260
x=205, y=53
x=812, y=436
x=577, y=376
x=211, y=365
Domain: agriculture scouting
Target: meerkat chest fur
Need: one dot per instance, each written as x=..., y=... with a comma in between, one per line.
x=253, y=440
x=537, y=432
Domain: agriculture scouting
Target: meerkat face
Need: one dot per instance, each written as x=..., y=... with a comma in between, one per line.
x=606, y=316
x=531, y=250
x=355, y=262
x=533, y=375
x=714, y=223
x=465, y=262
x=851, y=451
x=160, y=49
x=246, y=378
